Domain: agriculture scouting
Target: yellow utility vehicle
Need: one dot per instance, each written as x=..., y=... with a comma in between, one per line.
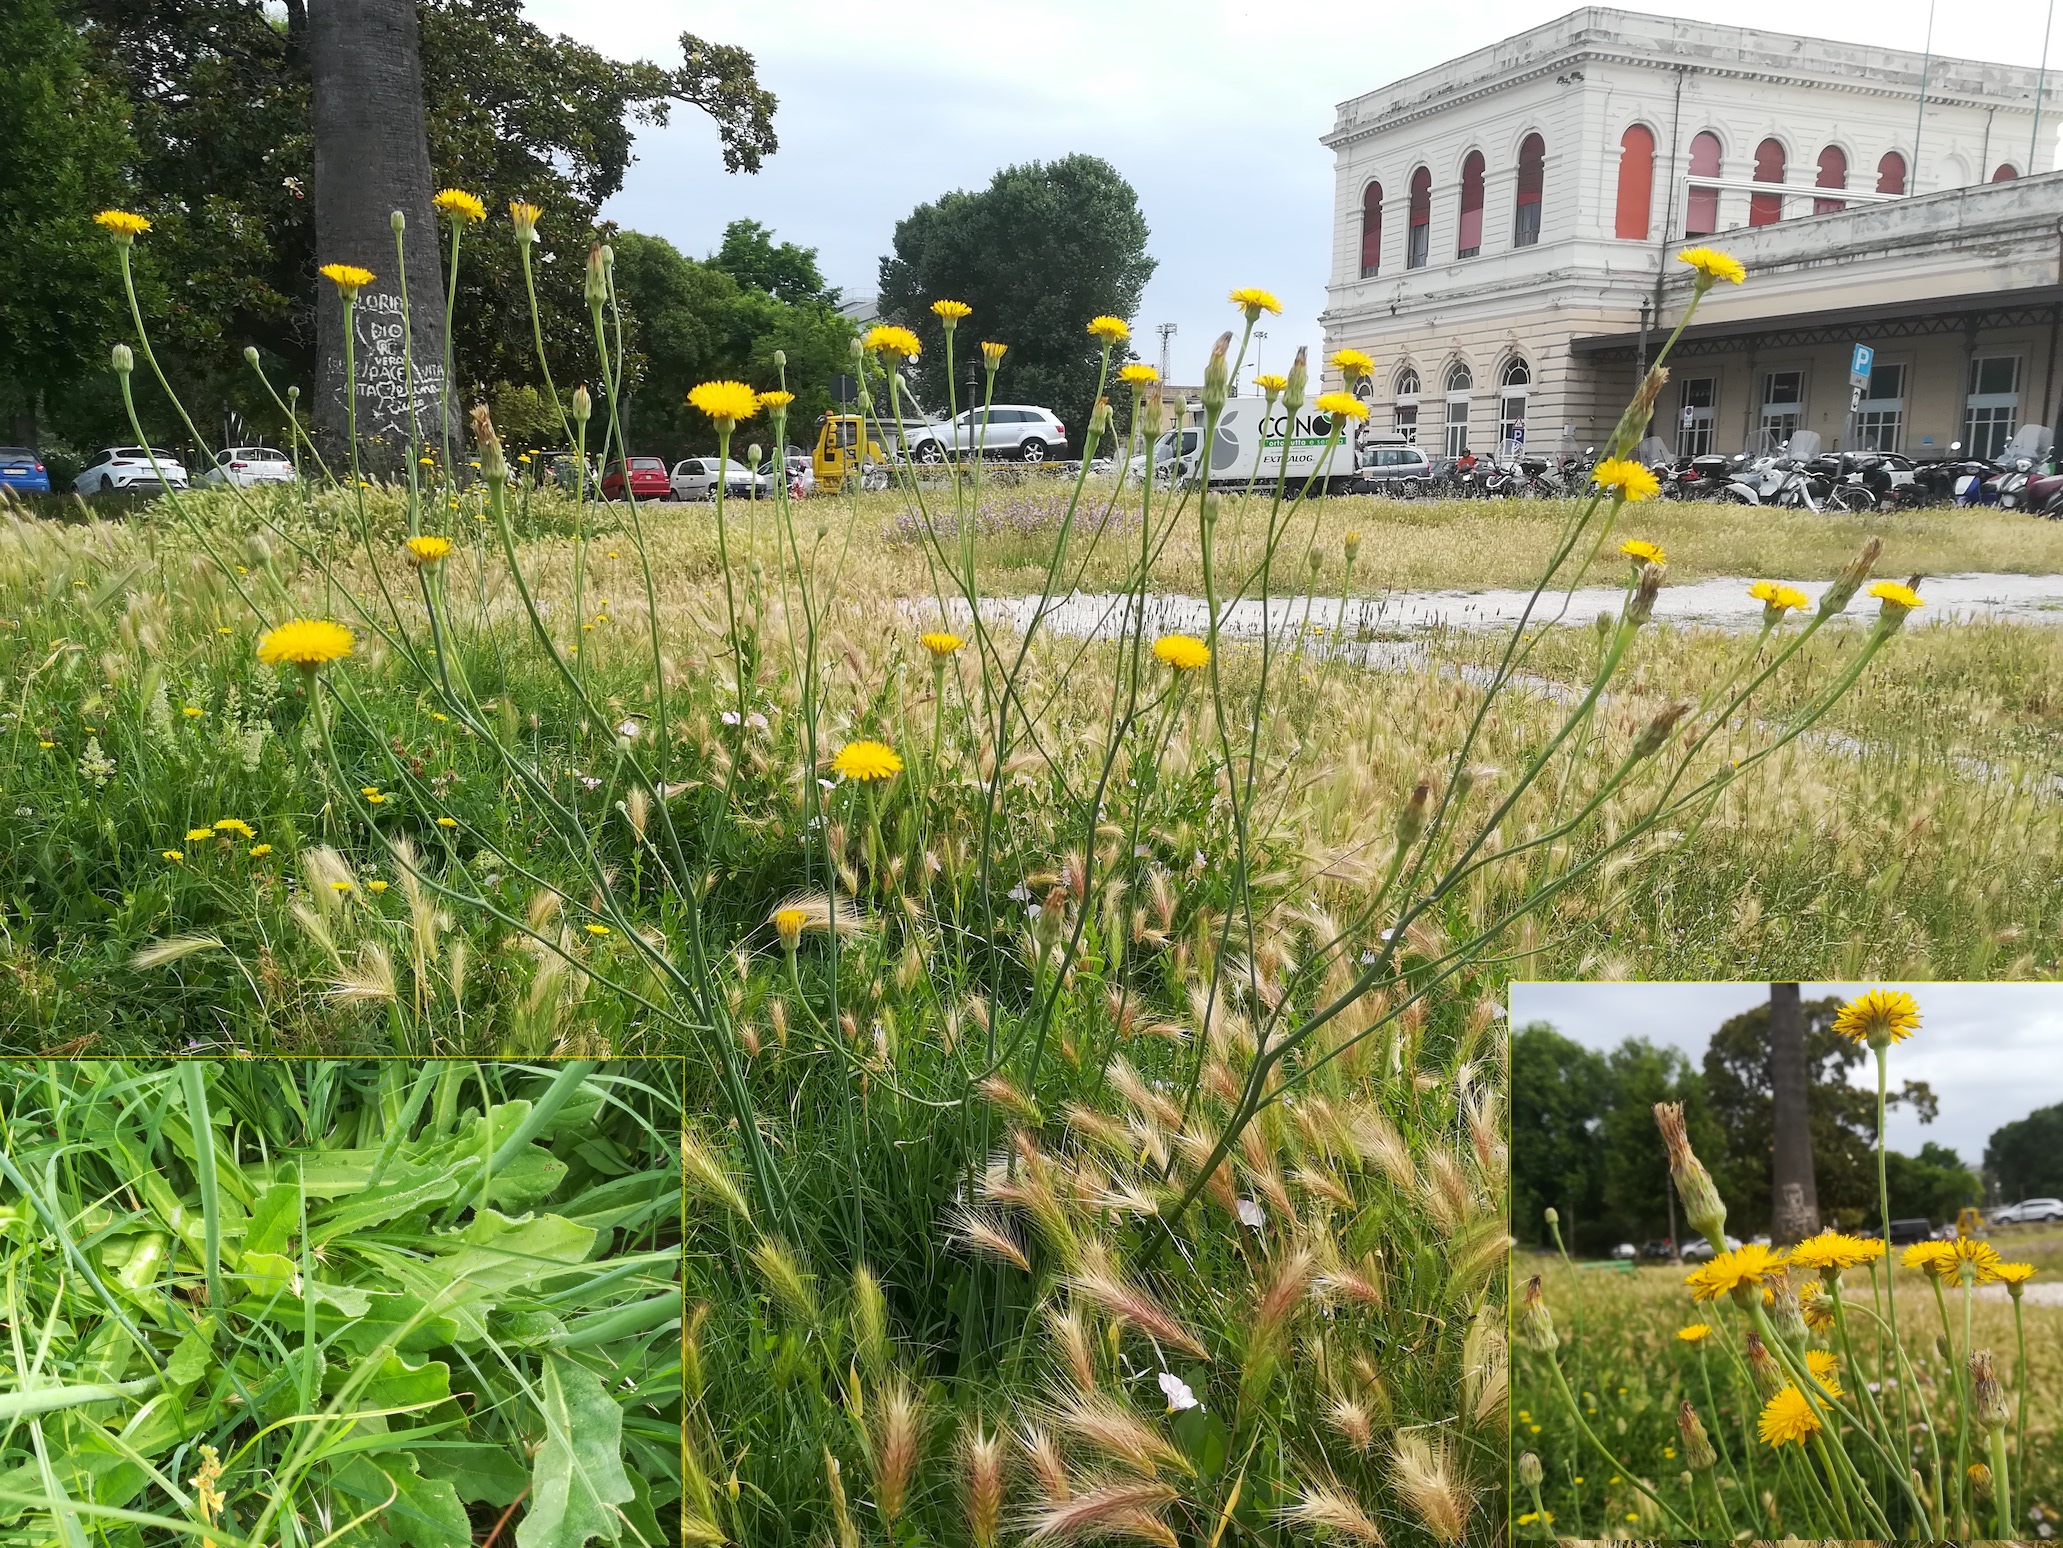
x=1969, y=1222
x=844, y=450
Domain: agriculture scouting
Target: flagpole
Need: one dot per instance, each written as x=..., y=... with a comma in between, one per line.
x=2040, y=82
x=1920, y=121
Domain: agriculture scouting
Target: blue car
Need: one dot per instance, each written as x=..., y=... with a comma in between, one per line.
x=22, y=470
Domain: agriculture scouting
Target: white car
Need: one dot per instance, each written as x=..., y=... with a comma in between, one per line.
x=1701, y=1250
x=2027, y=1211
x=1018, y=430
x=694, y=478
x=130, y=469
x=248, y=465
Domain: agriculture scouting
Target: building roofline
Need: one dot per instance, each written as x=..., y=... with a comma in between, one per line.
x=1945, y=311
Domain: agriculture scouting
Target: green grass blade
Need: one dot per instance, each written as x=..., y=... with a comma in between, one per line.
x=191, y=1072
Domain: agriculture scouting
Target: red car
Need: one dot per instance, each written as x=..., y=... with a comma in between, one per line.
x=648, y=480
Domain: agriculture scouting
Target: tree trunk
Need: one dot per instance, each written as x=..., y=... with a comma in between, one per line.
x=1794, y=1198
x=372, y=158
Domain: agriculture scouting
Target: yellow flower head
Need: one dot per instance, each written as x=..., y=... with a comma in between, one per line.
x=1696, y=1333
x=1270, y=383
x=597, y=929
x=1924, y=1255
x=526, y=216
x=1712, y=265
x=1182, y=652
x=237, y=826
x=1138, y=373
x=447, y=822
x=1777, y=598
x=1897, y=597
x=1825, y=1369
x=199, y=835
x=1353, y=364
x=1815, y=1305
x=1627, y=478
x=260, y=851
x=993, y=353
x=1640, y=551
x=1880, y=1018
x=123, y=226
x=1341, y=405
x=172, y=854
x=306, y=643
x=777, y=400
x=376, y=887
x=1981, y=1260
x=348, y=278
x=427, y=548
x=1253, y=301
x=867, y=761
x=459, y=205
x=886, y=339
x=950, y=312
x=1743, y=1266
x=1111, y=330
x=940, y=643
x=788, y=924
x=1788, y=1417
x=1835, y=1250
x=725, y=402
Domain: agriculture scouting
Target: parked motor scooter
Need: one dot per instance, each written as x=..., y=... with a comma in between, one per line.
x=2031, y=453
x=1783, y=479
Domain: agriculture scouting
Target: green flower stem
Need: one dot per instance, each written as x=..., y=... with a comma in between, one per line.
x=2001, y=1485
x=1835, y=1484
x=2020, y=1399
x=447, y=471
x=1905, y=1418
x=1840, y=1480
x=1575, y=1412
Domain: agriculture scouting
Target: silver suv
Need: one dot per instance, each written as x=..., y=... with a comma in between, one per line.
x=2028, y=1211
x=1002, y=429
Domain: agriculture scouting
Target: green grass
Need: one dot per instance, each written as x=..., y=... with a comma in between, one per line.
x=385, y=1303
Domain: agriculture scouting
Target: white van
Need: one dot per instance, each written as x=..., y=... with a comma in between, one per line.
x=1254, y=442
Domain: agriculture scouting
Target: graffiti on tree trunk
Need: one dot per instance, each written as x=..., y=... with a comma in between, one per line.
x=384, y=376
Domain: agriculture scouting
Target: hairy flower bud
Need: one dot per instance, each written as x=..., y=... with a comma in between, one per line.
x=123, y=359
x=1980, y=1482
x=583, y=404
x=1697, y=1445
x=1150, y=409
x=494, y=466
x=1701, y=1202
x=1530, y=1473
x=1214, y=375
x=596, y=288
x=1987, y=1397
x=1603, y=625
x=1411, y=820
x=1052, y=918
x=398, y=221
x=1293, y=390
x=1642, y=605
x=1769, y=1376
x=1784, y=1313
x=1656, y=731
x=1634, y=422
x=1849, y=581
x=1536, y=1322
x=1352, y=544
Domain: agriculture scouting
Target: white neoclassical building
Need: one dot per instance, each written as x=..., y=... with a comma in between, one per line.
x=1505, y=228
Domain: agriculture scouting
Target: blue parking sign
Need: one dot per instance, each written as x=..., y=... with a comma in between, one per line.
x=1859, y=365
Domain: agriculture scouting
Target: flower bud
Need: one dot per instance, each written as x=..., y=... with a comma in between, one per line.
x=1634, y=422
x=1293, y=389
x=596, y=288
x=1849, y=581
x=1769, y=1377
x=251, y=355
x=752, y=455
x=1656, y=732
x=1603, y=625
x=859, y=350
x=293, y=394
x=1052, y=918
x=1315, y=560
x=1554, y=1216
x=1987, y=1397
x=780, y=360
x=1411, y=820
x=124, y=359
x=583, y=404
x=258, y=550
x=1529, y=1470
x=1980, y=1482
x=1701, y=1202
x=1536, y=1322
x=398, y=221
x=494, y=465
x=1642, y=605
x=788, y=925
x=1784, y=1314
x=1150, y=414
x=1697, y=1445
x=1214, y=375
x=1352, y=544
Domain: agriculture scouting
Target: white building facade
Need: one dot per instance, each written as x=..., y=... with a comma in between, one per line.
x=1506, y=224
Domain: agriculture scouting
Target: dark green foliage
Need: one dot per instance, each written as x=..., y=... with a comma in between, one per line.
x=782, y=270
x=1043, y=249
x=1933, y=1185
x=2025, y=1158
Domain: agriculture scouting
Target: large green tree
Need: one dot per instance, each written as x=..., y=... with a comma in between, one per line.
x=1043, y=249
x=2024, y=1159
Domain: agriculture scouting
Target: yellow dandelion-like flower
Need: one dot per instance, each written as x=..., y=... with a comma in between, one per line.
x=347, y=277
x=376, y=799
x=1777, y=598
x=1341, y=405
x=525, y=216
x=1253, y=300
x=427, y=548
x=1825, y=1369
x=260, y=851
x=376, y=887
x=950, y=312
x=1749, y=1265
x=1788, y=1417
x=1835, y=1250
x=1138, y=373
x=1640, y=551
x=940, y=643
x=724, y=402
x=173, y=855
x=993, y=353
x=341, y=887
x=1270, y=383
x=1111, y=330
x=1815, y=1305
x=597, y=929
x=1353, y=364
x=123, y=226
x=1924, y=1255
x=1696, y=1333
x=447, y=822
x=459, y=205
x=887, y=339
x=306, y=643
x=1981, y=1258
x=192, y=711
x=199, y=835
x=776, y=400
x=867, y=761
x=1897, y=597
x=1880, y=1018
x=1713, y=265
x=1183, y=652
x=237, y=826
x=1626, y=478
x=2013, y=1273
x=788, y=923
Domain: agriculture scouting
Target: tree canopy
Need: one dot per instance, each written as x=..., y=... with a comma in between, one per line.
x=2025, y=1158
x=1043, y=249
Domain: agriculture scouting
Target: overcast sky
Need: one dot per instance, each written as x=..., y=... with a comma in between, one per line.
x=1992, y=1052
x=1212, y=109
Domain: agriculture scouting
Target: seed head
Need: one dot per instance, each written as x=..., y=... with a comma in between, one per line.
x=1987, y=1397
x=1697, y=1445
x=1701, y=1201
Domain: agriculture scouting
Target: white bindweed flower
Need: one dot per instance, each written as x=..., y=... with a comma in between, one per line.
x=1020, y=893
x=629, y=730
x=756, y=721
x=730, y=718
x=1251, y=1214
x=1177, y=1392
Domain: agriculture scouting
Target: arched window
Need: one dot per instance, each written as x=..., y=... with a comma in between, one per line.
x=1421, y=228
x=1701, y=210
x=1891, y=173
x=1406, y=410
x=1525, y=228
x=1636, y=183
x=1767, y=209
x=1833, y=173
x=1458, y=384
x=1470, y=236
x=2006, y=173
x=1371, y=230
x=1511, y=407
x=1459, y=379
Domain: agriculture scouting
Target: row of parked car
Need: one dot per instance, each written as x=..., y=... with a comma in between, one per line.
x=146, y=470
x=1904, y=1233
